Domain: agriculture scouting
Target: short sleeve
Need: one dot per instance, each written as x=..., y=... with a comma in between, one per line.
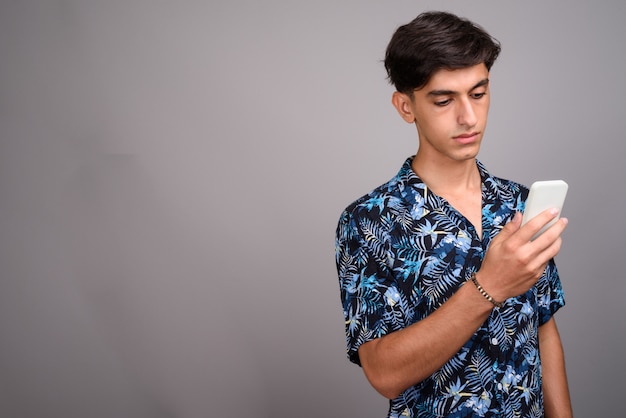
x=550, y=295
x=366, y=285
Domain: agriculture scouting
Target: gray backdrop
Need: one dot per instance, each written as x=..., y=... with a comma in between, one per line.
x=171, y=174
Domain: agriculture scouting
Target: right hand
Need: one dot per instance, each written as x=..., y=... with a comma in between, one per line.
x=513, y=263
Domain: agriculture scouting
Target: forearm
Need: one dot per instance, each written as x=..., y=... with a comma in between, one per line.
x=556, y=393
x=403, y=358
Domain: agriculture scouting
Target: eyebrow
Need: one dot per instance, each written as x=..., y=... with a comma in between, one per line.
x=481, y=83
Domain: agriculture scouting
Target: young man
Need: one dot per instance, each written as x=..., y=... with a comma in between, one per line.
x=448, y=303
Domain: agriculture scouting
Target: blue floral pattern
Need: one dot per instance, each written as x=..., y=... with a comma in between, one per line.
x=402, y=251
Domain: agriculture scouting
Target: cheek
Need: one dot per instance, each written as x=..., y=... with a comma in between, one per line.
x=486, y=105
x=482, y=110
x=436, y=127
x=443, y=121
x=485, y=111
x=439, y=123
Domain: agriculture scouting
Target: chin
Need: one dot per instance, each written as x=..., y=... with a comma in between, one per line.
x=467, y=156
x=471, y=153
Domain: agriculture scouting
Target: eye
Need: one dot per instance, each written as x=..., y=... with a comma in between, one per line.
x=478, y=95
x=442, y=103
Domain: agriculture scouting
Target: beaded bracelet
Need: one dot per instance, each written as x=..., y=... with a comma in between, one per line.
x=484, y=293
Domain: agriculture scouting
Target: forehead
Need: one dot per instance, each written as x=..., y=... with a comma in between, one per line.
x=459, y=80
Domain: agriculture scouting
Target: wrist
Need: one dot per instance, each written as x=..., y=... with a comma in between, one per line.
x=486, y=295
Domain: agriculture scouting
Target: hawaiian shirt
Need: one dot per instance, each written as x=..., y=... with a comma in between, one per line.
x=401, y=252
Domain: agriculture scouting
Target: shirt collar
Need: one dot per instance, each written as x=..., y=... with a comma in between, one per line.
x=409, y=183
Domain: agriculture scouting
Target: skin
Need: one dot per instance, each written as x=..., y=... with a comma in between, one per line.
x=450, y=114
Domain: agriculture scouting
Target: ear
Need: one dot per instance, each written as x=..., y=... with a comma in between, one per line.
x=403, y=104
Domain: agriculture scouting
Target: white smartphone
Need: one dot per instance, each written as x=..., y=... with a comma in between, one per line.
x=545, y=195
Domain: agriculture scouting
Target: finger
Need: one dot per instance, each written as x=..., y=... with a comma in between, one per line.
x=533, y=226
x=516, y=220
x=549, y=253
x=550, y=235
x=509, y=230
x=511, y=227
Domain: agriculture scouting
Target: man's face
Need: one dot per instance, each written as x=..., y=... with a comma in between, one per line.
x=450, y=113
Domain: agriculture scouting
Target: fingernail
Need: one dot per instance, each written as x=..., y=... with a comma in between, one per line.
x=554, y=211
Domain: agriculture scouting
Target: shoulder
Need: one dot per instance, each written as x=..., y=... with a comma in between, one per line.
x=375, y=203
x=390, y=197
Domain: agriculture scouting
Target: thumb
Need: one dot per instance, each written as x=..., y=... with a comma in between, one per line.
x=512, y=226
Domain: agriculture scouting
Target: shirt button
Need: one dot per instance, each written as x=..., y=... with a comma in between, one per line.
x=494, y=341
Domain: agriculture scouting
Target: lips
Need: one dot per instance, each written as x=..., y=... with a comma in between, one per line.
x=467, y=138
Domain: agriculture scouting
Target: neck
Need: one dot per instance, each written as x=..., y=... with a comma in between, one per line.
x=447, y=177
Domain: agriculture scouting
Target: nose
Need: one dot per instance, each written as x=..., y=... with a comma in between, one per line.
x=466, y=115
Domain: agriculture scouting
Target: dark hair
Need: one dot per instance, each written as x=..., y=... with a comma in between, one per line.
x=434, y=41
